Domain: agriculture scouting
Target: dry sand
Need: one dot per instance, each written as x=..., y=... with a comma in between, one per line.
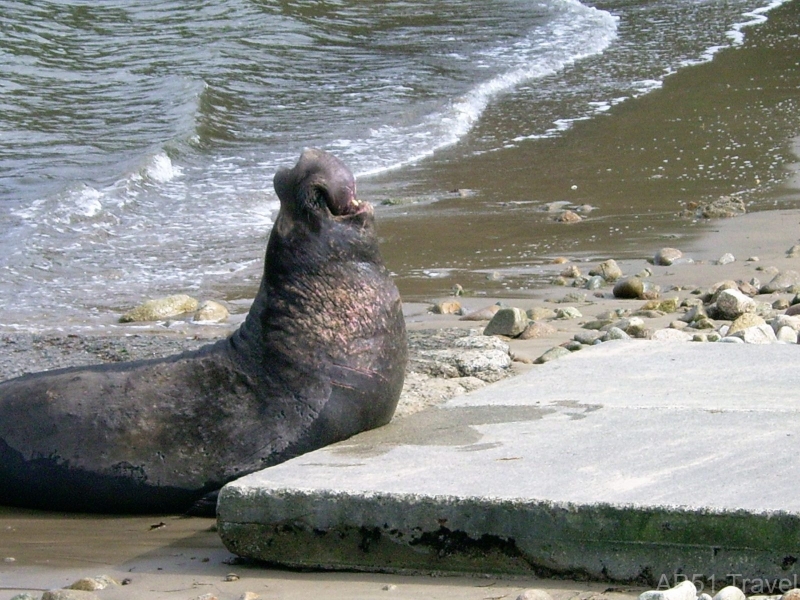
x=177, y=558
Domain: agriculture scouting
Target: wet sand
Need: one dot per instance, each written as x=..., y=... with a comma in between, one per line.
x=166, y=556
x=720, y=128
x=183, y=559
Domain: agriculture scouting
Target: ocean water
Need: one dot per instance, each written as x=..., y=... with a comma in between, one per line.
x=138, y=140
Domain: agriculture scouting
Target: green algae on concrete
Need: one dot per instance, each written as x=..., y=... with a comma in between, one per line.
x=480, y=535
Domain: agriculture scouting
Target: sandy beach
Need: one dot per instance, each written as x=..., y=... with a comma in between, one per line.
x=168, y=556
x=482, y=223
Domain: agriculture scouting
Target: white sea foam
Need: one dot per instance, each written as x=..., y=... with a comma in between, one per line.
x=578, y=32
x=87, y=202
x=756, y=17
x=160, y=169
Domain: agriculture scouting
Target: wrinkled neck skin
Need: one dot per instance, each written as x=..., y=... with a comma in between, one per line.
x=326, y=297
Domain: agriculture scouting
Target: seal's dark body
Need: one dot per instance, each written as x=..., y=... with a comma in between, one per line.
x=320, y=357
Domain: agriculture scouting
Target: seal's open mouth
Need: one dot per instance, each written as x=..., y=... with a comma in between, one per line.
x=346, y=204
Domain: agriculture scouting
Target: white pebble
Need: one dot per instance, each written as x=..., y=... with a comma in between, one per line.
x=730, y=592
x=685, y=590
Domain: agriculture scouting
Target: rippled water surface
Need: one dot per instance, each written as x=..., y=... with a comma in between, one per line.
x=138, y=139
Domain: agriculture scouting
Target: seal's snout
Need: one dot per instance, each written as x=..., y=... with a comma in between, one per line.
x=324, y=178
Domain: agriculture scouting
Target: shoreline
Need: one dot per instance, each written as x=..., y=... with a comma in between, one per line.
x=53, y=550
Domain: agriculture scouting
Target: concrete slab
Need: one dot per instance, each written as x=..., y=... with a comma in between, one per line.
x=631, y=461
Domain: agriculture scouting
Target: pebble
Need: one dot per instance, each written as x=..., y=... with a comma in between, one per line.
x=731, y=303
x=748, y=289
x=793, y=310
x=667, y=305
x=552, y=354
x=485, y=364
x=782, y=282
x=211, y=312
x=568, y=312
x=587, y=337
x=723, y=207
x=704, y=323
x=726, y=259
x=745, y=321
x=569, y=216
x=448, y=307
x=730, y=592
x=537, y=330
x=91, y=584
x=781, y=304
x=571, y=271
x=670, y=335
x=609, y=270
x=482, y=314
x=534, y=594
x=69, y=595
x=509, y=321
x=786, y=321
x=633, y=326
x=597, y=324
x=793, y=252
x=786, y=335
x=160, y=308
x=720, y=286
x=573, y=346
x=629, y=288
x=685, y=590
x=595, y=282
x=666, y=256
x=793, y=594
x=249, y=596
x=232, y=577
x=760, y=334
x=540, y=313
x=615, y=333
x=389, y=587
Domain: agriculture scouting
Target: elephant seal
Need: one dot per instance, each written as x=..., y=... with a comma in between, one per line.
x=320, y=357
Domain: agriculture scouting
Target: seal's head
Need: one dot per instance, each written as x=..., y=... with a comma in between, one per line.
x=320, y=187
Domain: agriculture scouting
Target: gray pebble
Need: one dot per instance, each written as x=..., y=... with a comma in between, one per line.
x=594, y=283
x=587, y=337
x=568, y=312
x=507, y=321
x=726, y=259
x=552, y=354
x=615, y=333
x=666, y=256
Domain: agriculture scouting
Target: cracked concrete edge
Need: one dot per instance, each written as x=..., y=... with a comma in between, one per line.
x=417, y=534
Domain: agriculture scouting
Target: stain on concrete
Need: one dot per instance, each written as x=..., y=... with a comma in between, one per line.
x=439, y=427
